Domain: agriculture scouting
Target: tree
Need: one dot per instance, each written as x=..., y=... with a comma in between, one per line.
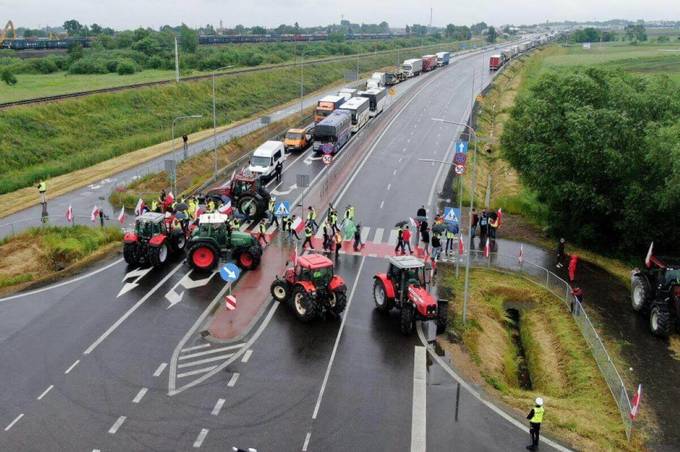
x=73, y=27
x=257, y=30
x=384, y=27
x=189, y=39
x=407, y=29
x=96, y=29
x=635, y=32
x=491, y=35
x=75, y=52
x=8, y=77
x=477, y=29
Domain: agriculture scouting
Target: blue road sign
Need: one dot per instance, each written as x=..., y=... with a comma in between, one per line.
x=282, y=209
x=461, y=147
x=230, y=272
x=459, y=158
x=451, y=215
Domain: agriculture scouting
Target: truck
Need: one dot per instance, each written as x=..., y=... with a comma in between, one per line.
x=326, y=106
x=429, y=62
x=266, y=158
x=378, y=78
x=412, y=67
x=377, y=98
x=331, y=134
x=393, y=78
x=506, y=55
x=359, y=109
x=495, y=62
x=347, y=93
x=443, y=58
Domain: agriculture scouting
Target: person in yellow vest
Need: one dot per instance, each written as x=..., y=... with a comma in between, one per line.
x=42, y=189
x=263, y=233
x=535, y=419
x=311, y=218
x=191, y=208
x=211, y=206
x=154, y=206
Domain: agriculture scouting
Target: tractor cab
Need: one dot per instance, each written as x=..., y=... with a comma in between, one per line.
x=407, y=271
x=315, y=268
x=149, y=224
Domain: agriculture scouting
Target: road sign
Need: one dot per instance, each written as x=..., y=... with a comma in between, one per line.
x=462, y=147
x=302, y=180
x=265, y=120
x=282, y=209
x=459, y=158
x=460, y=169
x=327, y=159
x=230, y=272
x=230, y=302
x=451, y=215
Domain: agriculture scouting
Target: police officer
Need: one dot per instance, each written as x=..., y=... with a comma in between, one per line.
x=278, y=170
x=311, y=218
x=42, y=189
x=308, y=237
x=535, y=419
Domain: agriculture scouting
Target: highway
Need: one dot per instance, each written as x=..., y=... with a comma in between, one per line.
x=86, y=364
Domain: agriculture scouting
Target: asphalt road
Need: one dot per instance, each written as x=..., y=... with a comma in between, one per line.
x=85, y=366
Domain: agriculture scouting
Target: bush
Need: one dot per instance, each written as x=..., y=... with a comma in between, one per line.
x=126, y=68
x=112, y=66
x=254, y=59
x=87, y=66
x=8, y=77
x=44, y=65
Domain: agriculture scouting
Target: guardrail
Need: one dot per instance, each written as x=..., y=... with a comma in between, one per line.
x=562, y=290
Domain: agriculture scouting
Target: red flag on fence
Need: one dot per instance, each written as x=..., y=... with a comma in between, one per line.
x=487, y=248
x=636, y=403
x=139, y=208
x=121, y=216
x=94, y=213
x=69, y=214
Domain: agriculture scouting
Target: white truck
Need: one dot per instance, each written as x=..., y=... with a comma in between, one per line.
x=377, y=80
x=348, y=93
x=412, y=67
x=443, y=58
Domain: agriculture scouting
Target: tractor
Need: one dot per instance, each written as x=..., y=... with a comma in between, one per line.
x=655, y=290
x=311, y=289
x=404, y=287
x=246, y=193
x=213, y=239
x=154, y=237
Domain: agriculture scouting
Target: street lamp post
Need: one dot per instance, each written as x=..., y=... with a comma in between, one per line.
x=302, y=82
x=214, y=112
x=472, y=203
x=174, y=149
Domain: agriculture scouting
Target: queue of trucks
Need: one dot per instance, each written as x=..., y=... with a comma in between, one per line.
x=498, y=60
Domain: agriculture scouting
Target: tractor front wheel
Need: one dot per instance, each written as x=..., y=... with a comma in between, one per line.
x=280, y=290
x=660, y=319
x=179, y=242
x=131, y=253
x=408, y=319
x=158, y=255
x=203, y=257
x=338, y=302
x=302, y=304
x=380, y=298
x=639, y=293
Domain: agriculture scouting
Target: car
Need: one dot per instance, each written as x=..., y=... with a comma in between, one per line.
x=155, y=236
x=405, y=287
x=655, y=291
x=311, y=288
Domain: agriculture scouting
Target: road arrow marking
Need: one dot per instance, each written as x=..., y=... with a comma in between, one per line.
x=285, y=192
x=186, y=282
x=137, y=274
x=310, y=159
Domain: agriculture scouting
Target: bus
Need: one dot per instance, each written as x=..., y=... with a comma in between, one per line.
x=331, y=134
x=326, y=106
x=377, y=98
x=359, y=109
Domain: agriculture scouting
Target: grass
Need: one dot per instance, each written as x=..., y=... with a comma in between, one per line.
x=38, y=253
x=57, y=138
x=579, y=405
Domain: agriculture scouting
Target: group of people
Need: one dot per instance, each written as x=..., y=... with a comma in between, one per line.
x=487, y=222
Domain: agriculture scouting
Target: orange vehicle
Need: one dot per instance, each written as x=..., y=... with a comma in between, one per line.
x=326, y=106
x=297, y=139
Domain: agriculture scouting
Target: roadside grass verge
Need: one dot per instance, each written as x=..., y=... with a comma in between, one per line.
x=579, y=406
x=39, y=253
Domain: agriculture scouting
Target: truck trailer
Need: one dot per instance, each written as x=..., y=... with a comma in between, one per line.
x=495, y=62
x=412, y=67
x=429, y=62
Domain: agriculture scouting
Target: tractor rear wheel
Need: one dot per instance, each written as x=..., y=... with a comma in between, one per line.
x=131, y=253
x=179, y=242
x=408, y=319
x=302, y=304
x=338, y=302
x=248, y=206
x=203, y=256
x=660, y=319
x=382, y=302
x=640, y=293
x=280, y=290
x=158, y=255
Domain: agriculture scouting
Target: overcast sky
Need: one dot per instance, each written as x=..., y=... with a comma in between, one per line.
x=154, y=13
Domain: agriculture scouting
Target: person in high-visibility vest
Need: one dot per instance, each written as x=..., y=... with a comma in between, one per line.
x=308, y=237
x=271, y=211
x=263, y=230
x=450, y=237
x=191, y=208
x=42, y=189
x=154, y=206
x=349, y=213
x=311, y=218
x=535, y=419
x=333, y=219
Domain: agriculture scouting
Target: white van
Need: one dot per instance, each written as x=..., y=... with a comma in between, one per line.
x=265, y=158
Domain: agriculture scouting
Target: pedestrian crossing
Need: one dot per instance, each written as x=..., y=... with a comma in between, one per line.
x=203, y=358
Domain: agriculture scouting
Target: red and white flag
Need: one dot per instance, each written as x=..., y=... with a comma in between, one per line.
x=413, y=222
x=298, y=225
x=121, y=215
x=294, y=256
x=94, y=213
x=139, y=208
x=500, y=218
x=69, y=214
x=461, y=245
x=636, y=403
x=520, y=257
x=487, y=248
x=230, y=302
x=648, y=259
x=225, y=208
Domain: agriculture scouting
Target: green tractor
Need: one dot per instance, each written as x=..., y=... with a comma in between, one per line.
x=212, y=240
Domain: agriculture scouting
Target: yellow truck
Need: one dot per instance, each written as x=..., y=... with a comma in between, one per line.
x=298, y=139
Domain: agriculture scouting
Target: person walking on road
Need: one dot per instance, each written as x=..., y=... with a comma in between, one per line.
x=400, y=242
x=436, y=246
x=560, y=254
x=535, y=418
x=42, y=189
x=263, y=233
x=349, y=213
x=292, y=231
x=338, y=244
x=272, y=206
x=572, y=267
x=450, y=239
x=421, y=212
x=333, y=218
x=357, y=238
x=483, y=227
x=406, y=236
x=311, y=218
x=185, y=145
x=278, y=170
x=327, y=236
x=102, y=217
x=308, y=237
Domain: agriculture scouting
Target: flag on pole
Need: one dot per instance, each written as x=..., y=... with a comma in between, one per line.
x=648, y=259
x=69, y=214
x=487, y=248
x=413, y=222
x=500, y=218
x=636, y=403
x=294, y=256
x=461, y=245
x=225, y=208
x=121, y=215
x=139, y=208
x=94, y=213
x=520, y=258
x=298, y=225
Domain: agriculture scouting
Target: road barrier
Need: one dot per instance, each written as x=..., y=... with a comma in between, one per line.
x=562, y=290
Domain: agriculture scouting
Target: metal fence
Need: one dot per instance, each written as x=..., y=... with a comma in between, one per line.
x=562, y=290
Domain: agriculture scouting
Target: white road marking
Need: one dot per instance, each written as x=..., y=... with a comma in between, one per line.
x=16, y=419
x=116, y=425
x=96, y=450
x=394, y=234
x=419, y=407
x=394, y=173
x=337, y=340
x=233, y=379
x=307, y=438
x=196, y=347
x=378, y=235
x=200, y=438
x=218, y=407
x=372, y=255
x=160, y=370
x=196, y=372
x=140, y=395
x=364, y=234
x=389, y=186
x=246, y=356
x=130, y=311
x=72, y=366
x=382, y=203
x=49, y=388
x=208, y=352
x=400, y=159
x=245, y=225
x=203, y=361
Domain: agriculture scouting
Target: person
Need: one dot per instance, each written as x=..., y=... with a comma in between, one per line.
x=185, y=146
x=483, y=227
x=475, y=222
x=154, y=206
x=560, y=253
x=436, y=246
x=263, y=233
x=577, y=295
x=357, y=238
x=236, y=223
x=349, y=213
x=572, y=267
x=291, y=231
x=102, y=217
x=406, y=235
x=333, y=217
x=279, y=170
x=42, y=189
x=162, y=195
x=450, y=238
x=493, y=225
x=535, y=418
x=211, y=206
x=309, y=232
x=400, y=242
x=327, y=236
x=425, y=234
x=338, y=244
x=421, y=212
x=270, y=211
x=311, y=218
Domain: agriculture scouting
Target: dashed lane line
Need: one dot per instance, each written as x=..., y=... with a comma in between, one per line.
x=140, y=395
x=233, y=379
x=200, y=438
x=116, y=425
x=71, y=368
x=307, y=438
x=44, y=393
x=246, y=356
x=218, y=407
x=11, y=424
x=160, y=369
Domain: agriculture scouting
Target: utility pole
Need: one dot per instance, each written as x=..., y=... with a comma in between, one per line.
x=176, y=62
x=302, y=82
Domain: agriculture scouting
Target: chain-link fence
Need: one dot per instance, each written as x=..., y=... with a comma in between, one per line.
x=562, y=290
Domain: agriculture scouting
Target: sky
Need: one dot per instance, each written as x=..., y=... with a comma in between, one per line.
x=126, y=14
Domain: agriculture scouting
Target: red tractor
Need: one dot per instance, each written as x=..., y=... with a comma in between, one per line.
x=154, y=238
x=404, y=287
x=246, y=193
x=311, y=288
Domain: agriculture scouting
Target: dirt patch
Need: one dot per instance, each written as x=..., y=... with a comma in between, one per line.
x=674, y=347
x=21, y=258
